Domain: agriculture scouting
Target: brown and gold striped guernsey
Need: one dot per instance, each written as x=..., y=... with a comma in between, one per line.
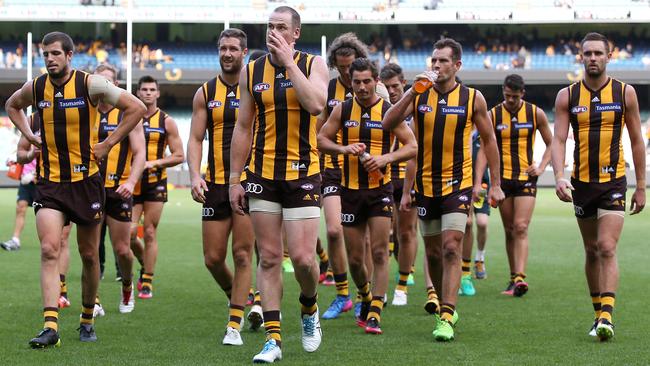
x=597, y=118
x=363, y=124
x=68, y=131
x=35, y=126
x=515, y=133
x=156, y=142
x=222, y=104
x=284, y=133
x=443, y=122
x=398, y=171
x=336, y=93
x=117, y=166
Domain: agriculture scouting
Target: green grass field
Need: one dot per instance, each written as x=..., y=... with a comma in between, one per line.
x=185, y=321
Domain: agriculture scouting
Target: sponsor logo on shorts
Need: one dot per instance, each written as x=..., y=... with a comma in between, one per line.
x=160, y=188
x=579, y=109
x=459, y=110
x=43, y=104
x=125, y=206
x=71, y=103
x=330, y=189
x=333, y=102
x=258, y=88
x=385, y=200
x=96, y=206
x=207, y=212
x=616, y=196
x=422, y=211
x=234, y=104
x=463, y=198
x=254, y=188
x=347, y=218
x=79, y=168
x=373, y=124
x=528, y=184
x=307, y=198
x=307, y=186
x=578, y=210
x=423, y=108
x=609, y=107
x=36, y=204
x=351, y=123
x=214, y=104
x=502, y=126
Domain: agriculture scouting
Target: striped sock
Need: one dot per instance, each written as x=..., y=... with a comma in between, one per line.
x=376, y=306
x=342, y=286
x=364, y=293
x=403, y=278
x=308, y=304
x=147, y=280
x=467, y=263
x=595, y=302
x=447, y=312
x=324, y=258
x=87, y=314
x=258, y=299
x=51, y=318
x=607, y=300
x=272, y=326
x=519, y=277
x=236, y=313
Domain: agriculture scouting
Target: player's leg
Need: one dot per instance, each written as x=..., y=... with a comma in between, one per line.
x=481, y=219
x=406, y=223
x=243, y=241
x=589, y=231
x=506, y=209
x=152, y=214
x=19, y=224
x=610, y=226
x=215, y=251
x=355, y=244
x=64, y=264
x=88, y=241
x=136, y=244
x=523, y=207
x=119, y=232
x=337, y=256
x=466, y=283
x=49, y=225
x=433, y=304
x=379, y=229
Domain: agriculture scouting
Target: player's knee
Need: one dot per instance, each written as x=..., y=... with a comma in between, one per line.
x=214, y=260
x=355, y=262
x=380, y=255
x=270, y=260
x=451, y=248
x=149, y=233
x=303, y=262
x=123, y=251
x=241, y=258
x=49, y=250
x=520, y=229
x=334, y=233
x=88, y=256
x=607, y=248
x=509, y=231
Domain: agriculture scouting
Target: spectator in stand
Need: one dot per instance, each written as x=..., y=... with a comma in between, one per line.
x=550, y=50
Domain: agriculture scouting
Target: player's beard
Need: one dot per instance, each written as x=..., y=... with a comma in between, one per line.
x=58, y=75
x=234, y=69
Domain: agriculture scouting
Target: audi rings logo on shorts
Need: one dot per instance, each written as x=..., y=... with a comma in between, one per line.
x=307, y=186
x=528, y=184
x=96, y=206
x=347, y=218
x=463, y=198
x=616, y=196
x=160, y=188
x=578, y=210
x=207, y=212
x=330, y=189
x=385, y=200
x=125, y=206
x=422, y=211
x=254, y=188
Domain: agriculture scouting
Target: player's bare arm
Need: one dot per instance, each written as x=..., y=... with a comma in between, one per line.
x=137, y=145
x=633, y=124
x=175, y=148
x=195, y=146
x=398, y=112
x=240, y=146
x=407, y=151
x=535, y=170
x=489, y=143
x=558, y=147
x=14, y=106
x=327, y=137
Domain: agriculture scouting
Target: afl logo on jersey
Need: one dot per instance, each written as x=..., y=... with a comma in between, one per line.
x=214, y=104
x=43, y=104
x=333, y=103
x=258, y=88
x=578, y=109
x=350, y=124
x=423, y=108
x=501, y=127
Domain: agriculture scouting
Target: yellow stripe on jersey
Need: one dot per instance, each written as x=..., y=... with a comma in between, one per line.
x=284, y=134
x=117, y=166
x=363, y=124
x=515, y=135
x=156, y=141
x=222, y=103
x=597, y=118
x=336, y=93
x=68, y=131
x=443, y=123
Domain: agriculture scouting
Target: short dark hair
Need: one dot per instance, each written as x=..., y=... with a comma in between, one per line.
x=593, y=36
x=104, y=67
x=66, y=42
x=456, y=48
x=363, y=64
x=235, y=33
x=347, y=44
x=147, y=79
x=295, y=17
x=514, y=82
x=390, y=70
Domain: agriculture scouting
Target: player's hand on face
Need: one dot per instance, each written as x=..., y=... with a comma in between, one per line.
x=199, y=188
x=125, y=190
x=638, y=201
x=237, y=198
x=279, y=47
x=563, y=190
